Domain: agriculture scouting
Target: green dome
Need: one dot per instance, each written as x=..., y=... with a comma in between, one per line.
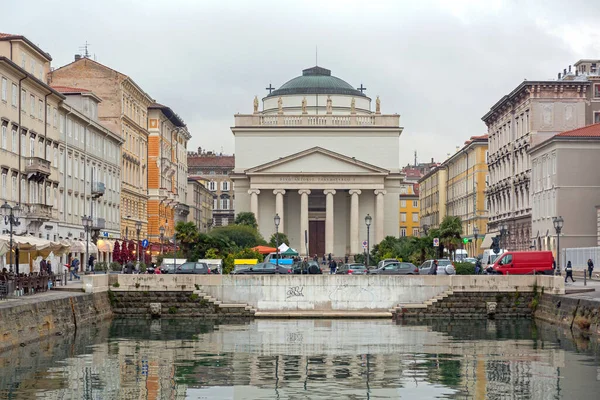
x=316, y=80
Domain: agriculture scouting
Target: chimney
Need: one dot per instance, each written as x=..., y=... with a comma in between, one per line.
x=77, y=57
x=559, y=75
x=569, y=69
x=564, y=71
x=432, y=160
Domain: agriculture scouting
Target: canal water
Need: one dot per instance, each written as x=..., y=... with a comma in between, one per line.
x=306, y=359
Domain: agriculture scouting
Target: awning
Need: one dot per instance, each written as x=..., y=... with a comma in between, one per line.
x=79, y=246
x=264, y=249
x=106, y=245
x=486, y=243
x=35, y=246
x=290, y=252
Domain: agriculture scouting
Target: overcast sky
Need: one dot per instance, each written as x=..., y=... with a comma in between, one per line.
x=439, y=64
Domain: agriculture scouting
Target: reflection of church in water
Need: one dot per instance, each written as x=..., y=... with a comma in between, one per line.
x=318, y=156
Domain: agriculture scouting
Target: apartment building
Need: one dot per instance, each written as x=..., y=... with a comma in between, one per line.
x=124, y=110
x=533, y=112
x=29, y=135
x=200, y=202
x=432, y=198
x=409, y=210
x=167, y=171
x=216, y=169
x=89, y=169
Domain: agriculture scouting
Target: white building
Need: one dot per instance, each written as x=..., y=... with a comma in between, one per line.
x=320, y=158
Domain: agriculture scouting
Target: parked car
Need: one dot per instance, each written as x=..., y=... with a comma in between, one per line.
x=352, y=269
x=385, y=262
x=524, y=262
x=470, y=260
x=397, y=268
x=312, y=268
x=445, y=267
x=263, y=269
x=191, y=268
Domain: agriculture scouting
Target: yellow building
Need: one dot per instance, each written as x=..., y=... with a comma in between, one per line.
x=409, y=210
x=457, y=188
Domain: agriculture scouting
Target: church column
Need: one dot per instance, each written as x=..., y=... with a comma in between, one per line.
x=379, y=219
x=279, y=207
x=303, y=217
x=354, y=240
x=254, y=202
x=329, y=220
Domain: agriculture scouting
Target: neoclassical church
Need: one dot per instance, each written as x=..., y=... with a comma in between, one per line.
x=322, y=159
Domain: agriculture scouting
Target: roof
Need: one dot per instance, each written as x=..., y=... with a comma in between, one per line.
x=9, y=36
x=210, y=161
x=170, y=114
x=68, y=89
x=586, y=131
x=316, y=80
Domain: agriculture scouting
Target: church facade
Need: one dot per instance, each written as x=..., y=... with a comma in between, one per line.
x=319, y=157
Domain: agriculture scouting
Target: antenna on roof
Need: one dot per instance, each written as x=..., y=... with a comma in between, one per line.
x=84, y=50
x=415, y=158
x=316, y=55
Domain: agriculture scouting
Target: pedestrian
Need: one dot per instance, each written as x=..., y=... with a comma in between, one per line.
x=590, y=267
x=316, y=258
x=324, y=262
x=477, y=266
x=329, y=257
x=569, y=271
x=43, y=267
x=91, y=262
x=304, y=266
x=49, y=267
x=332, y=266
x=74, y=269
x=434, y=268
x=346, y=259
x=129, y=267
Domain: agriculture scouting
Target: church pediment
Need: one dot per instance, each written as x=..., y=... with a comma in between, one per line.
x=317, y=161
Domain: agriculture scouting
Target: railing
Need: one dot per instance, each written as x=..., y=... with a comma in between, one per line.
x=34, y=165
x=98, y=189
x=40, y=211
x=317, y=120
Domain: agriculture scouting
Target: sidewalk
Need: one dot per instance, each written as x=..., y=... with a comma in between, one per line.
x=37, y=298
x=579, y=285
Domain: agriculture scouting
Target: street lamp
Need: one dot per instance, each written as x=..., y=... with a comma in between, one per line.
x=162, y=237
x=475, y=236
x=277, y=220
x=425, y=229
x=87, y=225
x=138, y=229
x=368, y=220
x=558, y=225
x=11, y=217
x=503, y=233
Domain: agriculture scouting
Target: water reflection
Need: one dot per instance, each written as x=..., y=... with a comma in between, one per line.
x=265, y=359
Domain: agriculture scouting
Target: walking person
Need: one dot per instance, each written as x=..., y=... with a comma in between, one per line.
x=49, y=267
x=434, y=268
x=477, y=267
x=590, y=267
x=91, y=262
x=332, y=266
x=43, y=266
x=74, y=269
x=569, y=271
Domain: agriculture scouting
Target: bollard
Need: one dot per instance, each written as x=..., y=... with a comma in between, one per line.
x=584, y=277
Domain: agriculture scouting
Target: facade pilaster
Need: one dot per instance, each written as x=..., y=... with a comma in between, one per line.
x=379, y=217
x=254, y=202
x=329, y=220
x=354, y=240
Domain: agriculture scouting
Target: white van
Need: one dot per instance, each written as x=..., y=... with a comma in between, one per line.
x=215, y=264
x=460, y=255
x=489, y=257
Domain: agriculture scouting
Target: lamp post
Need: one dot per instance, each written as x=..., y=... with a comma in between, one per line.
x=138, y=229
x=277, y=221
x=558, y=225
x=11, y=217
x=475, y=236
x=87, y=224
x=162, y=237
x=425, y=229
x=368, y=220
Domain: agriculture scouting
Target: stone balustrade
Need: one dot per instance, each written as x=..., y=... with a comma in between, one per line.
x=326, y=120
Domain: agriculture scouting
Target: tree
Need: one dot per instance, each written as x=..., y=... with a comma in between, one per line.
x=187, y=236
x=229, y=261
x=282, y=239
x=241, y=236
x=246, y=218
x=117, y=254
x=450, y=232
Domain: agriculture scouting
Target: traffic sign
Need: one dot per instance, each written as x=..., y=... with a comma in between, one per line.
x=436, y=242
x=145, y=243
x=365, y=243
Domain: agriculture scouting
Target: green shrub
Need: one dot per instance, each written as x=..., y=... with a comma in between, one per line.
x=116, y=284
x=115, y=266
x=464, y=268
x=172, y=310
x=197, y=286
x=193, y=297
x=142, y=267
x=137, y=285
x=100, y=266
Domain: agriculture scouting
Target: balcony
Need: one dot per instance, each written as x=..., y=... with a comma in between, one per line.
x=40, y=212
x=98, y=189
x=37, y=168
x=183, y=210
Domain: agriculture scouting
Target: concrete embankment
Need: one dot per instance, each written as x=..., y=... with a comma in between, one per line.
x=579, y=315
x=28, y=319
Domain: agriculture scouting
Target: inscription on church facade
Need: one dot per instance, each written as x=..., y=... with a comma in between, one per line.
x=318, y=179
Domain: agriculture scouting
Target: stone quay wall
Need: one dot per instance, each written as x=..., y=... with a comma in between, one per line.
x=473, y=305
x=178, y=304
x=324, y=292
x=579, y=315
x=28, y=322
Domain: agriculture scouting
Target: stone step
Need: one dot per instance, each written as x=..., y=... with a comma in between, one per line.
x=232, y=305
x=323, y=314
x=410, y=306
